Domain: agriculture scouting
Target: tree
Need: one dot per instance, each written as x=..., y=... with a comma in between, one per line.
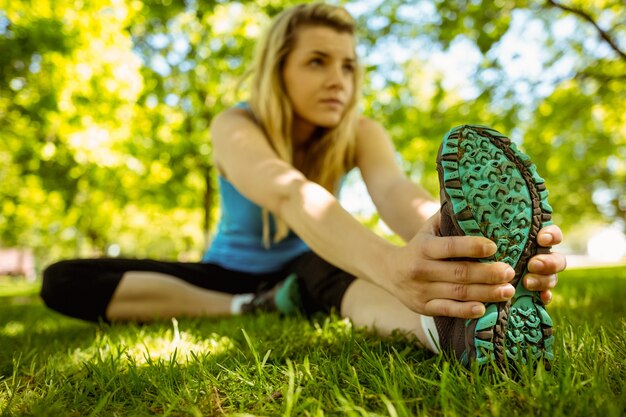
x=105, y=107
x=561, y=102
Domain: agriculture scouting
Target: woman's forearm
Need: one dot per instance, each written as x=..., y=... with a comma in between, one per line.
x=406, y=207
x=316, y=217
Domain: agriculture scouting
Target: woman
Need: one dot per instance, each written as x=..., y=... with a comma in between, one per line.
x=281, y=158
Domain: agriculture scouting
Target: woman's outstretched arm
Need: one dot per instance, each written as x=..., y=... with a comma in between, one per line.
x=413, y=273
x=406, y=206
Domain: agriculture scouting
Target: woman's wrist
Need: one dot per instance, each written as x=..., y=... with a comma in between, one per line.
x=381, y=267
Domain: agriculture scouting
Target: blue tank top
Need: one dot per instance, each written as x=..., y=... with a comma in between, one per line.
x=238, y=243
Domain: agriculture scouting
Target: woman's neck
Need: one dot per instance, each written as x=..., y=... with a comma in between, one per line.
x=303, y=133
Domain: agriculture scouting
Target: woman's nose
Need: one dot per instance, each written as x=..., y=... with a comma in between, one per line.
x=335, y=76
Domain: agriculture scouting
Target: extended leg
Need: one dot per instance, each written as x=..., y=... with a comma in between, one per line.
x=145, y=296
x=368, y=305
x=131, y=289
x=325, y=287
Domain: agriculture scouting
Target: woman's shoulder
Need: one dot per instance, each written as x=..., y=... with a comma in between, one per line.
x=234, y=117
x=373, y=144
x=367, y=128
x=235, y=111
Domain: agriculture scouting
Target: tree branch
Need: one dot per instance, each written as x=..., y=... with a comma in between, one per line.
x=586, y=16
x=599, y=76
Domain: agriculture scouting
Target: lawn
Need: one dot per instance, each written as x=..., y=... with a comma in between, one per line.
x=270, y=366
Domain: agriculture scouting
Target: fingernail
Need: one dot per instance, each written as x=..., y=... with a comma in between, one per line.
x=545, y=239
x=508, y=291
x=531, y=283
x=553, y=280
x=478, y=311
x=535, y=265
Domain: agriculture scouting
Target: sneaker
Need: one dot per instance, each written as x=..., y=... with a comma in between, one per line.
x=491, y=189
x=284, y=297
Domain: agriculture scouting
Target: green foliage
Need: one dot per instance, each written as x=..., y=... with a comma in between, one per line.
x=105, y=107
x=265, y=365
x=567, y=113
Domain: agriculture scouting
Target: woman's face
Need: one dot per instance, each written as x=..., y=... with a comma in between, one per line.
x=319, y=76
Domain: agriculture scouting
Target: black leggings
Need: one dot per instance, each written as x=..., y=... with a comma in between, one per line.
x=83, y=288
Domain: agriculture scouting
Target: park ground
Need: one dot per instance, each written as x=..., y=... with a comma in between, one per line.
x=266, y=365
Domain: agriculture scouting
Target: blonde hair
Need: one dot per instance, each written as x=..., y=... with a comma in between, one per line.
x=332, y=154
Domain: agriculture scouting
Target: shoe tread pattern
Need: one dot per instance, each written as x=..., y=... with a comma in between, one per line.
x=496, y=192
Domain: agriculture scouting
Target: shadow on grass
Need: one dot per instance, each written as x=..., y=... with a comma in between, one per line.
x=260, y=364
x=30, y=333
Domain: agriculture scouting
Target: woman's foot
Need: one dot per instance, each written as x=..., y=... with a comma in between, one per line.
x=490, y=189
x=284, y=297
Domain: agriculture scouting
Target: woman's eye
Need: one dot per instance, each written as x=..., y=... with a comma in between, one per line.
x=316, y=62
x=349, y=68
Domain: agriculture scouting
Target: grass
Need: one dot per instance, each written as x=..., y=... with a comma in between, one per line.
x=16, y=287
x=265, y=366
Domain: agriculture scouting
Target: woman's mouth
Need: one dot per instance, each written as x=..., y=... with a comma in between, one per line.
x=332, y=102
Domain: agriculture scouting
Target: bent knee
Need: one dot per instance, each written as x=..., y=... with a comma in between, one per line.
x=57, y=279
x=80, y=288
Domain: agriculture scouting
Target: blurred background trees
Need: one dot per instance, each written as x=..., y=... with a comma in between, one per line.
x=105, y=107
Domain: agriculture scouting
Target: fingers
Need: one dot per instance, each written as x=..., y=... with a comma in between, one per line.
x=534, y=282
x=471, y=309
x=452, y=308
x=459, y=288
x=433, y=223
x=466, y=272
x=446, y=247
x=550, y=236
x=475, y=292
x=436, y=247
x=546, y=296
x=552, y=263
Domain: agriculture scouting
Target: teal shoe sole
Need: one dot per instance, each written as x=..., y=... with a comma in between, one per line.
x=495, y=192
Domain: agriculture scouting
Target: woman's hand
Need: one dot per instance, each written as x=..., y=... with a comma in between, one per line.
x=542, y=269
x=428, y=279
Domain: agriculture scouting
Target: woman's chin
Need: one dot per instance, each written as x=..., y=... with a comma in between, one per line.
x=329, y=122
